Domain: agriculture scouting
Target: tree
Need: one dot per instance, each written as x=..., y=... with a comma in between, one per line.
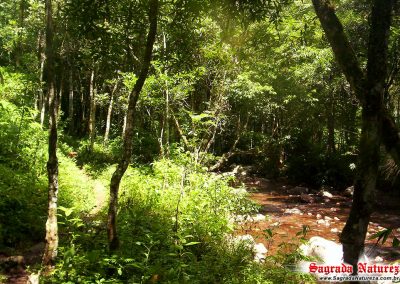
x=50, y=252
x=128, y=137
x=377, y=124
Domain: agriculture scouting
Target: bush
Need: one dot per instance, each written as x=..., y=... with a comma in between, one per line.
x=22, y=176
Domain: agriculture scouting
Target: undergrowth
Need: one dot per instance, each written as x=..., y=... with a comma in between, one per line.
x=174, y=227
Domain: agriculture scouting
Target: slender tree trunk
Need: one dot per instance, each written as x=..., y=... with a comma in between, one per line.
x=71, y=103
x=109, y=112
x=128, y=138
x=18, y=45
x=331, y=125
x=42, y=60
x=60, y=94
x=124, y=124
x=50, y=252
x=92, y=111
x=180, y=131
x=166, y=118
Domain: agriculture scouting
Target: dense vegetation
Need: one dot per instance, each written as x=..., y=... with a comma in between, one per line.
x=166, y=95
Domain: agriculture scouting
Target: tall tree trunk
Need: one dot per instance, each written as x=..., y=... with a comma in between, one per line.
x=128, y=138
x=42, y=59
x=331, y=124
x=60, y=94
x=354, y=232
x=71, y=103
x=18, y=45
x=370, y=90
x=109, y=112
x=92, y=111
x=167, y=112
x=124, y=124
x=50, y=251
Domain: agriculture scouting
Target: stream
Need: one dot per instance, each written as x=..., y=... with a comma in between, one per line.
x=286, y=214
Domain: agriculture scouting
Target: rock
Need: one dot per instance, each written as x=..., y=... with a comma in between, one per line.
x=247, y=218
x=260, y=248
x=309, y=214
x=336, y=218
x=292, y=211
x=325, y=194
x=327, y=218
x=334, y=230
x=33, y=279
x=263, y=182
x=378, y=259
x=326, y=251
x=321, y=222
x=349, y=192
x=298, y=190
x=306, y=198
x=258, y=218
x=247, y=240
x=260, y=252
x=319, y=216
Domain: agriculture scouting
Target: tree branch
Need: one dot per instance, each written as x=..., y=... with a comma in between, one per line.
x=342, y=49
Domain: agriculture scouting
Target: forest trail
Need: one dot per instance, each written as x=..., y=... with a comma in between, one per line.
x=287, y=213
x=100, y=192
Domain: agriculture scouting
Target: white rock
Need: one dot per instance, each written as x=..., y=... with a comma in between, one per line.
x=260, y=248
x=321, y=222
x=319, y=216
x=336, y=218
x=327, y=218
x=258, y=218
x=378, y=259
x=326, y=251
x=309, y=214
x=326, y=194
x=33, y=279
x=334, y=230
x=292, y=211
x=260, y=252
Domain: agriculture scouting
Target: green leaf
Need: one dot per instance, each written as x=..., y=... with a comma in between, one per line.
x=67, y=211
x=191, y=243
x=396, y=242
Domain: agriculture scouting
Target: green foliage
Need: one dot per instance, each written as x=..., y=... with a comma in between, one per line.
x=100, y=156
x=74, y=182
x=173, y=226
x=22, y=139
x=22, y=175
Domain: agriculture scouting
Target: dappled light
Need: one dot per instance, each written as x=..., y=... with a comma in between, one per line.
x=201, y=141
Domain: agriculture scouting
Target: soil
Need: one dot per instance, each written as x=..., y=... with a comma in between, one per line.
x=274, y=199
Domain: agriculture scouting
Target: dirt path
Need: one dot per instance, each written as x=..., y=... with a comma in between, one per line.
x=100, y=193
x=287, y=213
x=19, y=275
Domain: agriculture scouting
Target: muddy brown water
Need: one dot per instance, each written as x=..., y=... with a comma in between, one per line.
x=274, y=199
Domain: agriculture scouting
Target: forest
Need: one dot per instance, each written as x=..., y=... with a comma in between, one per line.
x=197, y=141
